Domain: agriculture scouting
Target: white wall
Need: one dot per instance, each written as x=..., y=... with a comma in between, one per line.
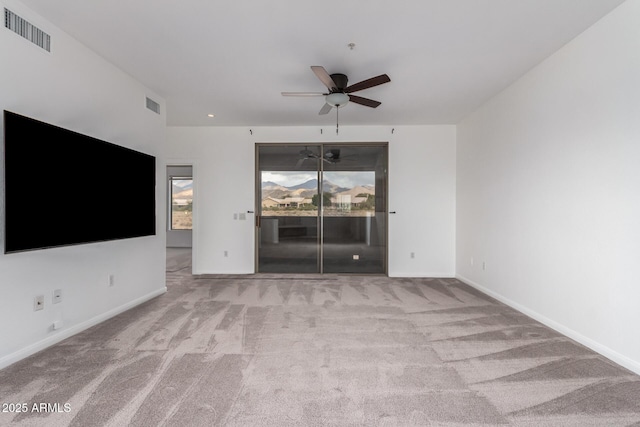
x=421, y=191
x=548, y=179
x=73, y=88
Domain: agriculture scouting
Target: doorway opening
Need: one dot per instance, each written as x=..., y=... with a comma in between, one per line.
x=179, y=216
x=321, y=208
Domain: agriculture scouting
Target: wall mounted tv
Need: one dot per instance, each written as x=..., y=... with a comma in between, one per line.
x=63, y=188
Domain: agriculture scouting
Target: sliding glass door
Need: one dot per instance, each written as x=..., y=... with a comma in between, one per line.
x=288, y=220
x=321, y=208
x=354, y=222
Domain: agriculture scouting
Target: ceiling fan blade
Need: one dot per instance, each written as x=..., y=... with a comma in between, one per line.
x=325, y=109
x=366, y=84
x=324, y=77
x=364, y=101
x=302, y=93
x=300, y=162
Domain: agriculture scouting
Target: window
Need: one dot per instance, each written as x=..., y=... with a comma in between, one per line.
x=181, y=203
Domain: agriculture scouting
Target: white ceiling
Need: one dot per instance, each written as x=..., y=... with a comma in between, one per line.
x=233, y=58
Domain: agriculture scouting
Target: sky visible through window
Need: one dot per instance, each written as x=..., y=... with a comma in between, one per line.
x=341, y=179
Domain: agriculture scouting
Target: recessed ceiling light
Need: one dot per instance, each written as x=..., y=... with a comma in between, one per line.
x=211, y=115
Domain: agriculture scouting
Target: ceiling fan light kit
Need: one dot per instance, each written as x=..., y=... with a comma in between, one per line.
x=337, y=99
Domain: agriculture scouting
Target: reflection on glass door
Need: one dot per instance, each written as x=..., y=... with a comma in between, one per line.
x=322, y=208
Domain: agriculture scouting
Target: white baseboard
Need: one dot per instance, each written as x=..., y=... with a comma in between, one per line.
x=66, y=333
x=226, y=272
x=610, y=354
x=422, y=275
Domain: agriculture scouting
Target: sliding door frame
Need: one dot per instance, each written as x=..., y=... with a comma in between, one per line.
x=320, y=213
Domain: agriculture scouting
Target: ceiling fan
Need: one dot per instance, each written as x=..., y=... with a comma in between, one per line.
x=331, y=156
x=339, y=94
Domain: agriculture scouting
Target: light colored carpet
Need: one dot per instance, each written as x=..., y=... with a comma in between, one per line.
x=270, y=350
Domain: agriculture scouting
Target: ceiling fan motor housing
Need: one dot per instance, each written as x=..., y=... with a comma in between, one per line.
x=340, y=80
x=333, y=153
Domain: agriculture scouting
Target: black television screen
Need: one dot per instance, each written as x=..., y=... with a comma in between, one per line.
x=63, y=188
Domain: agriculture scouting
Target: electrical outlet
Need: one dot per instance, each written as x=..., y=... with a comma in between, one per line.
x=57, y=296
x=38, y=303
x=226, y=253
x=235, y=216
x=412, y=255
x=112, y=280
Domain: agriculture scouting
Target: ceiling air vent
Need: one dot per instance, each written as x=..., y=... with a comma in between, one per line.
x=153, y=105
x=25, y=29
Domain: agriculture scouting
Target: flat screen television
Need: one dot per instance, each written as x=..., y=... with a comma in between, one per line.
x=63, y=188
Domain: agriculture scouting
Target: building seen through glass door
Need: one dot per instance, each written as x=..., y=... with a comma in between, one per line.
x=321, y=208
